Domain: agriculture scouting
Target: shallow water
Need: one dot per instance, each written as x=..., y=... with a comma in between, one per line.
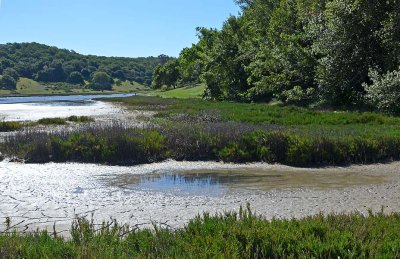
x=37, y=196
x=57, y=98
x=38, y=107
x=217, y=182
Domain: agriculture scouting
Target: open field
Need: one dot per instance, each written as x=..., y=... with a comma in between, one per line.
x=181, y=92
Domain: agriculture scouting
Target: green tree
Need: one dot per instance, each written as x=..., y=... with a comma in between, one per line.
x=76, y=78
x=101, y=81
x=352, y=37
x=12, y=73
x=7, y=82
x=166, y=75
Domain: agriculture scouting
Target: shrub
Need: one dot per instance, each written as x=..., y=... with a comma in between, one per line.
x=384, y=92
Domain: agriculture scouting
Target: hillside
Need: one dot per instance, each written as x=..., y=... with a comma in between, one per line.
x=47, y=64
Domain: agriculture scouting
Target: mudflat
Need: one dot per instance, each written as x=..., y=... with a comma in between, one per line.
x=171, y=193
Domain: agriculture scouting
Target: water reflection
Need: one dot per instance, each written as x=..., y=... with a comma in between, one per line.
x=61, y=98
x=220, y=182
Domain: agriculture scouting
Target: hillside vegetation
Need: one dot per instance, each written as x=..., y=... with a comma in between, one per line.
x=325, y=53
x=51, y=65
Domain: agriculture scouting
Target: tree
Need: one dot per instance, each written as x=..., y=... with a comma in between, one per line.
x=351, y=37
x=101, y=81
x=76, y=78
x=7, y=82
x=12, y=73
x=384, y=92
x=167, y=74
x=191, y=64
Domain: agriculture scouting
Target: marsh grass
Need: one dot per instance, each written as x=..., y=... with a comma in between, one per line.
x=80, y=119
x=63, y=121
x=228, y=235
x=205, y=141
x=256, y=113
x=52, y=121
x=6, y=126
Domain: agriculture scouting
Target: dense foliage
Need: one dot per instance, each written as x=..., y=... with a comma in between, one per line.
x=50, y=64
x=232, y=235
x=298, y=52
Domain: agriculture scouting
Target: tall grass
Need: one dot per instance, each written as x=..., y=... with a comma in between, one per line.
x=231, y=235
x=224, y=141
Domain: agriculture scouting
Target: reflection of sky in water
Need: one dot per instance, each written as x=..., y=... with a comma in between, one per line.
x=181, y=185
x=66, y=98
x=220, y=182
x=207, y=184
x=64, y=103
x=38, y=107
x=36, y=111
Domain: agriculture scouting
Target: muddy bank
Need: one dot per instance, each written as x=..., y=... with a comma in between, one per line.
x=38, y=196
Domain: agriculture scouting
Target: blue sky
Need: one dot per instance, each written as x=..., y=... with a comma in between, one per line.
x=112, y=27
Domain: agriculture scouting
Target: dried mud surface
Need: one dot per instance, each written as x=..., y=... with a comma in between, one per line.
x=39, y=196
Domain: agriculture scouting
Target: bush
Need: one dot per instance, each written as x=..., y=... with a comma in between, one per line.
x=384, y=92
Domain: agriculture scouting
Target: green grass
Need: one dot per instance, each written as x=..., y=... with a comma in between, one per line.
x=131, y=87
x=27, y=87
x=232, y=235
x=52, y=121
x=181, y=92
x=63, y=121
x=81, y=119
x=257, y=113
x=6, y=126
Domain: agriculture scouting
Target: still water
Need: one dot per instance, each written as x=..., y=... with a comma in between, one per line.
x=38, y=107
x=218, y=182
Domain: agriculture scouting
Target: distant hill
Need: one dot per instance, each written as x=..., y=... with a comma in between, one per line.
x=46, y=64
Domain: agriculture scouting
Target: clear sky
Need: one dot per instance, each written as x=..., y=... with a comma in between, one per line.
x=129, y=28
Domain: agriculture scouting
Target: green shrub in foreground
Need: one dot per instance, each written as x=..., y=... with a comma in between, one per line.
x=231, y=235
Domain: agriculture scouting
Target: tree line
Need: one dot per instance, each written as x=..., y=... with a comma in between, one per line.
x=50, y=64
x=335, y=53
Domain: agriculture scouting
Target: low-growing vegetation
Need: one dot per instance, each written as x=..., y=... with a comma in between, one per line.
x=62, y=121
x=6, y=126
x=224, y=141
x=74, y=118
x=231, y=235
x=52, y=121
x=255, y=113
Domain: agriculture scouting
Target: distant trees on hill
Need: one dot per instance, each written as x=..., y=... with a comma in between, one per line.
x=50, y=64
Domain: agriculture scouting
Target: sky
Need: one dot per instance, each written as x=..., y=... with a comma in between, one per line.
x=129, y=28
